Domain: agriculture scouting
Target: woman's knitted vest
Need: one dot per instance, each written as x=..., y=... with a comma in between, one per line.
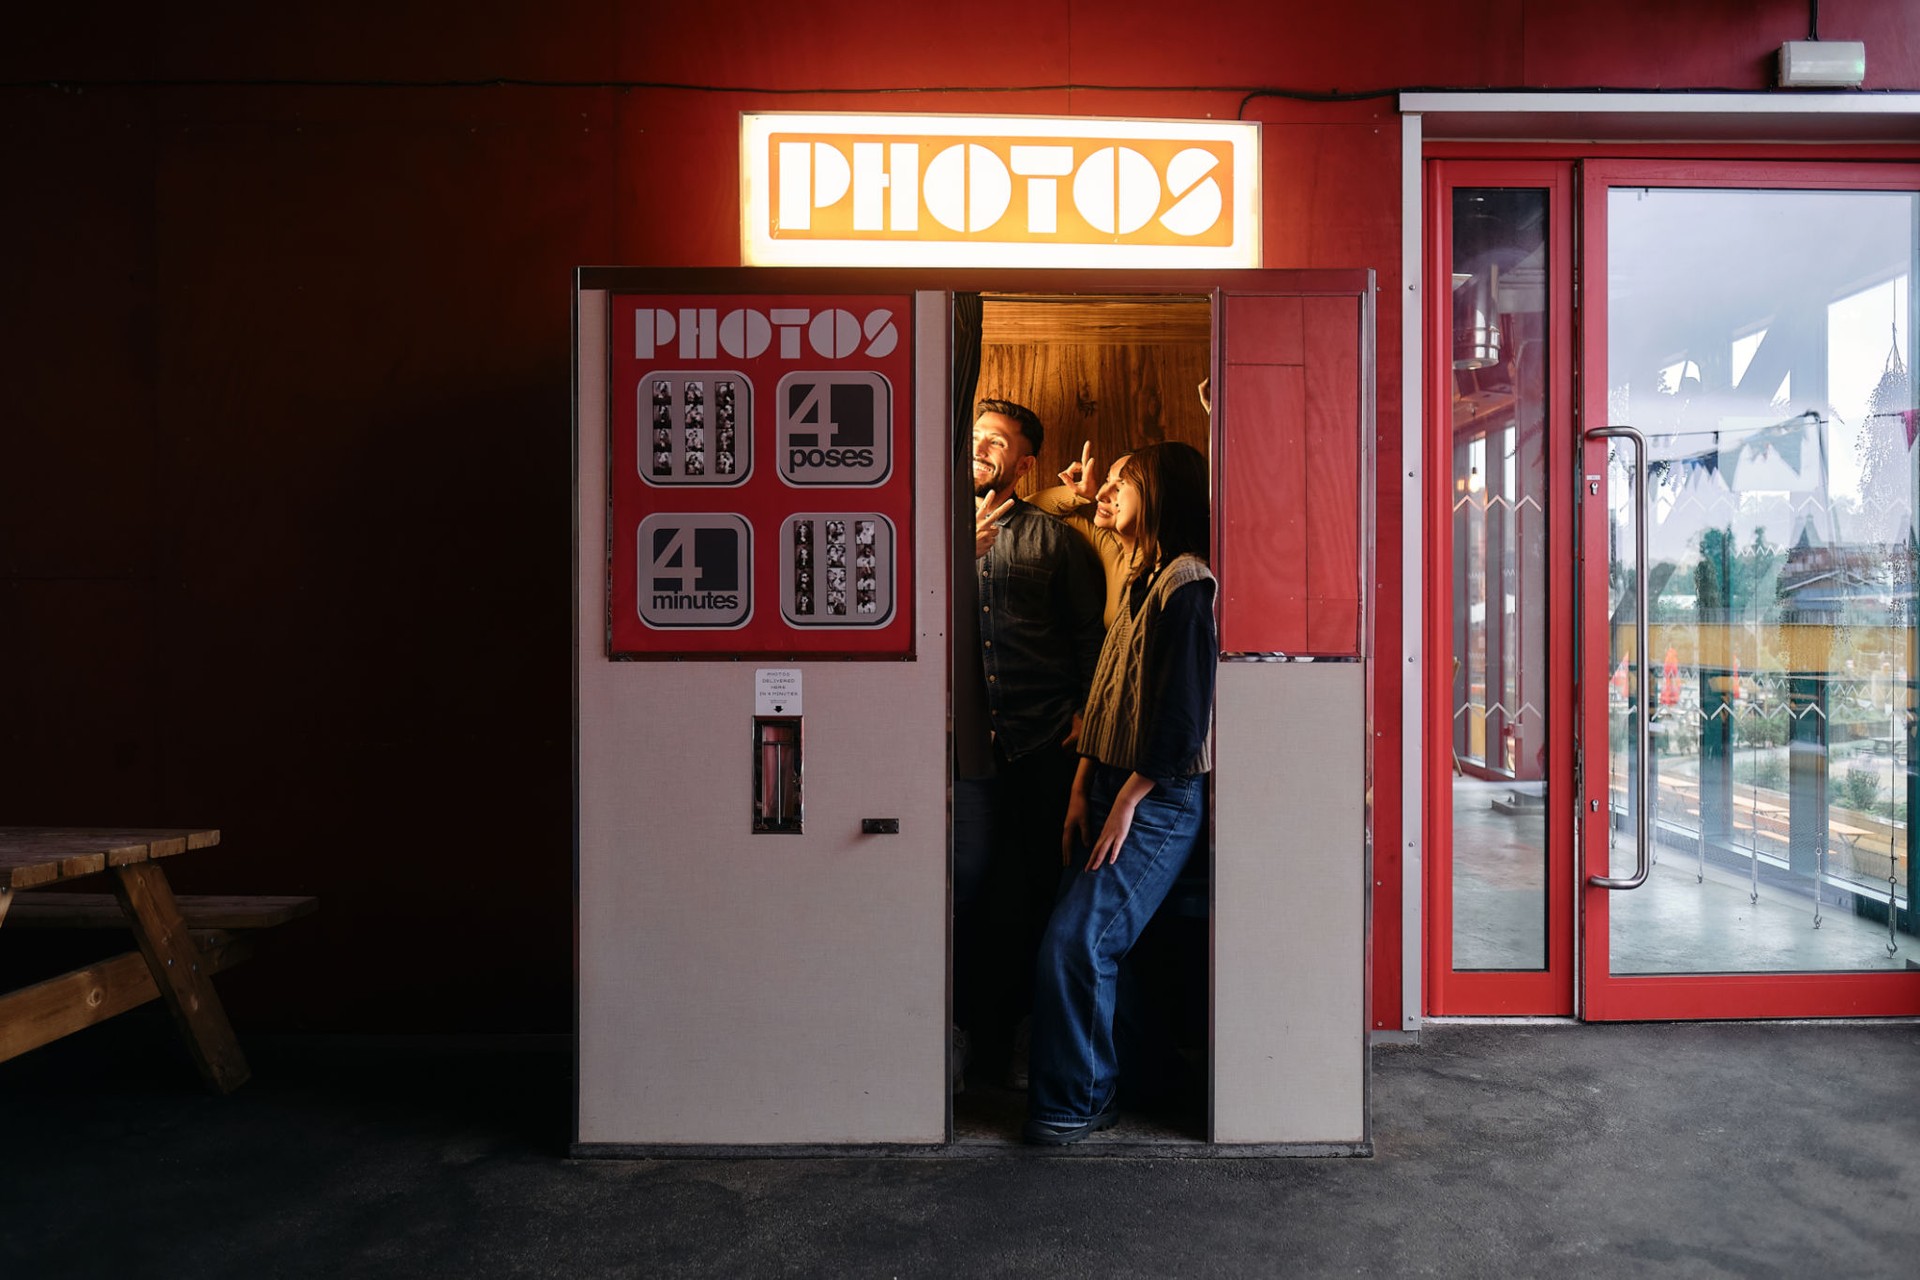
x=1114, y=730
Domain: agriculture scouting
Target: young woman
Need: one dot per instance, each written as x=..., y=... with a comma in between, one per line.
x=1137, y=805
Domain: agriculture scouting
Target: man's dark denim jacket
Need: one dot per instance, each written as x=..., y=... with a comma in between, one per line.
x=1041, y=592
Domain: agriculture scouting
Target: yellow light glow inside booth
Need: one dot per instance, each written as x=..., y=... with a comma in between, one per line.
x=834, y=189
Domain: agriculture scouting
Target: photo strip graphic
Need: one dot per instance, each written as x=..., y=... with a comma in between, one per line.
x=696, y=428
x=837, y=569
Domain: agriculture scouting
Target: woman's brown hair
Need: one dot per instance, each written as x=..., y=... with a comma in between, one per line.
x=1176, y=516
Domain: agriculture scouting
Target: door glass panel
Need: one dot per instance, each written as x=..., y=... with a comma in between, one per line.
x=1763, y=342
x=1499, y=695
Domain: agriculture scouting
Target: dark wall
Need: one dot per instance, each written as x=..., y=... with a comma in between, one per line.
x=285, y=485
x=285, y=500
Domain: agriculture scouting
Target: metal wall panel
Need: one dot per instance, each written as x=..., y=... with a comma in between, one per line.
x=1290, y=904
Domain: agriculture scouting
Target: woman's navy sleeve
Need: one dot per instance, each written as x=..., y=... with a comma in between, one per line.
x=1183, y=654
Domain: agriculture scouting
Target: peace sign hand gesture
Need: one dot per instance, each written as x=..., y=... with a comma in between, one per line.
x=986, y=527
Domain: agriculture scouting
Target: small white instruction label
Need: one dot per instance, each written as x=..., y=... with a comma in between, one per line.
x=776, y=691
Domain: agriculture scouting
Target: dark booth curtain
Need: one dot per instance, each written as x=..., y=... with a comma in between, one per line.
x=972, y=746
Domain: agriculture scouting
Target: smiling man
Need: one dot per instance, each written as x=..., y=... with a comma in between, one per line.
x=1040, y=595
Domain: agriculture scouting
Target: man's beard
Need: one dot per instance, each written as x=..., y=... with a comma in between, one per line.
x=996, y=480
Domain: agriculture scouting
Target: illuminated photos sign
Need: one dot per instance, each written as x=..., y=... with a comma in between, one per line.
x=1009, y=191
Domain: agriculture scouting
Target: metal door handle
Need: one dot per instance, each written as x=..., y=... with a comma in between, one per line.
x=1642, y=773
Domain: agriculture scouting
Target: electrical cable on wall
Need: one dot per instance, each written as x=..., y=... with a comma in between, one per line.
x=1250, y=92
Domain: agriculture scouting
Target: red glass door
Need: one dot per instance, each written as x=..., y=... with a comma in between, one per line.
x=1500, y=894
x=1747, y=612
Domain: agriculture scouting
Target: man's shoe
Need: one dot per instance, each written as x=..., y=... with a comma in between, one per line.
x=1059, y=1135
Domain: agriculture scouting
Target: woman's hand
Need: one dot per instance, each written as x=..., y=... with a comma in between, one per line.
x=1113, y=834
x=1080, y=477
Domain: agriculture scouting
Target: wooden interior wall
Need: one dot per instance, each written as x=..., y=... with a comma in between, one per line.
x=1119, y=373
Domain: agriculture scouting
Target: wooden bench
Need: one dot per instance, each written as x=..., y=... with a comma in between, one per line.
x=200, y=911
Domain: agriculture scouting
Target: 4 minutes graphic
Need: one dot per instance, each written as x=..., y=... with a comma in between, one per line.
x=695, y=570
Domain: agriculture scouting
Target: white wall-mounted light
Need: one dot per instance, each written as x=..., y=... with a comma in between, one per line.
x=1823, y=64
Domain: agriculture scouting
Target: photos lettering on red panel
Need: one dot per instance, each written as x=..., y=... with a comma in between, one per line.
x=761, y=478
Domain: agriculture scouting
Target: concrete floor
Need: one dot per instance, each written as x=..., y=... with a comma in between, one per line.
x=1678, y=922
x=1683, y=923
x=1499, y=880
x=1532, y=1150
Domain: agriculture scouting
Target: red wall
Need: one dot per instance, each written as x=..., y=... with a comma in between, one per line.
x=285, y=485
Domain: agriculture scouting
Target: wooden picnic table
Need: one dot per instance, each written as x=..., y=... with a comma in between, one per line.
x=178, y=952
x=1852, y=839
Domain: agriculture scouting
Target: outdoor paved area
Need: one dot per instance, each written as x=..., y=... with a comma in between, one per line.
x=1532, y=1150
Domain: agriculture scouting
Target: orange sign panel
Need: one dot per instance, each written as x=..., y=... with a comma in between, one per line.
x=856, y=190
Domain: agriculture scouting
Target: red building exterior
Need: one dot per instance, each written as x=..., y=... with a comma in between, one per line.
x=285, y=482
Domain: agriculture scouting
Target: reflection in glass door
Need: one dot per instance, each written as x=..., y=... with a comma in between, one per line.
x=1760, y=338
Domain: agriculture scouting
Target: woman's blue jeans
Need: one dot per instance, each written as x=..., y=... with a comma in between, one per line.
x=1073, y=1070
